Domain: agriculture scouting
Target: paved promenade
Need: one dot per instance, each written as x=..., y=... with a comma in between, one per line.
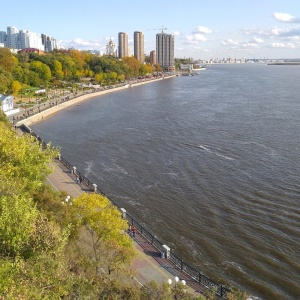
x=149, y=265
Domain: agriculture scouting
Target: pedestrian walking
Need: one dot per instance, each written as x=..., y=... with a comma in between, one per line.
x=77, y=179
x=133, y=231
x=80, y=179
x=130, y=231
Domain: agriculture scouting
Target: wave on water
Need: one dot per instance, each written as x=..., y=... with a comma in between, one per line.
x=205, y=148
x=132, y=128
x=197, y=146
x=88, y=168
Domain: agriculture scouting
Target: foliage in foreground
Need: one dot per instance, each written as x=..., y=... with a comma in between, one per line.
x=50, y=249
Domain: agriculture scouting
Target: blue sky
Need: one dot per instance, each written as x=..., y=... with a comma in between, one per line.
x=203, y=29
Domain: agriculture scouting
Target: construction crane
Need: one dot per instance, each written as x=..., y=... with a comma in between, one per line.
x=162, y=28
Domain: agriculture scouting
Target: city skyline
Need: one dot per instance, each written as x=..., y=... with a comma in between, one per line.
x=202, y=30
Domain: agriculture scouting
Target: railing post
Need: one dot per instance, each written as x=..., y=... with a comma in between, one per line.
x=167, y=251
x=151, y=238
x=181, y=264
x=123, y=210
x=199, y=277
x=95, y=187
x=141, y=229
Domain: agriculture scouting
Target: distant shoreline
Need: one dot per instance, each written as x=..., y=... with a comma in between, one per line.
x=284, y=63
x=55, y=109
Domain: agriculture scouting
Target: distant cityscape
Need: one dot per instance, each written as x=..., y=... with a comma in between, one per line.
x=26, y=41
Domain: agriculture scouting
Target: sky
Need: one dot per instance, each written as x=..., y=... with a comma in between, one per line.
x=203, y=29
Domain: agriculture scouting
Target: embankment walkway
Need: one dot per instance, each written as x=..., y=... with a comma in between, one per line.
x=149, y=264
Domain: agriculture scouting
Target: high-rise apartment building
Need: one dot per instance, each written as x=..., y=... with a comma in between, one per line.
x=12, y=38
x=49, y=43
x=138, y=39
x=152, y=57
x=123, y=44
x=2, y=37
x=28, y=39
x=165, y=51
x=22, y=39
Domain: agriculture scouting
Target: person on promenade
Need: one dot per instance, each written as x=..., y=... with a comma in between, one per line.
x=130, y=230
x=77, y=179
x=133, y=231
x=80, y=179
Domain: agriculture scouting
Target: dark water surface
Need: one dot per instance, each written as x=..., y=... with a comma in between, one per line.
x=209, y=163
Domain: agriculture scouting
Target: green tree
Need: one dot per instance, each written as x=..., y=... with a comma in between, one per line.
x=58, y=72
x=5, y=81
x=7, y=61
x=110, y=246
x=42, y=70
x=99, y=77
x=17, y=219
x=23, y=162
x=133, y=65
x=15, y=87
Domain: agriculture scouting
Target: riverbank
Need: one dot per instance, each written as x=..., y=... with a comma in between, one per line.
x=40, y=116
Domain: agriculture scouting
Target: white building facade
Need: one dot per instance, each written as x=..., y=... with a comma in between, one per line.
x=28, y=39
x=7, y=103
x=22, y=39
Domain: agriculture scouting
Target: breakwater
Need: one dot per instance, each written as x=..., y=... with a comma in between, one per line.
x=196, y=277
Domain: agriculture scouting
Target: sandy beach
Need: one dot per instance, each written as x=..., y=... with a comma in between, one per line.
x=51, y=111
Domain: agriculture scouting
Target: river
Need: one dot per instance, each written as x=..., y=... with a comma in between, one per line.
x=209, y=163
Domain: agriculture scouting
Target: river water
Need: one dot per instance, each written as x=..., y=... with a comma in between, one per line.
x=209, y=163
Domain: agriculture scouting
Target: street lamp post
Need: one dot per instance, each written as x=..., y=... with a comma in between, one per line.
x=178, y=289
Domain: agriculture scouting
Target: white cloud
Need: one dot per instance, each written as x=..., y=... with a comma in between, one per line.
x=248, y=45
x=202, y=30
x=257, y=40
x=286, y=18
x=230, y=42
x=176, y=33
x=239, y=45
x=282, y=45
x=80, y=44
x=201, y=49
x=200, y=37
x=190, y=39
x=274, y=32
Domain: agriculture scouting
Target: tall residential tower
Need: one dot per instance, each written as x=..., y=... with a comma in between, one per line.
x=123, y=44
x=165, y=51
x=139, y=46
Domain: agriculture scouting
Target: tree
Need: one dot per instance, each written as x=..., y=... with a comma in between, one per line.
x=133, y=64
x=7, y=61
x=157, y=68
x=58, y=72
x=111, y=247
x=15, y=87
x=5, y=80
x=17, y=219
x=99, y=77
x=23, y=162
x=42, y=70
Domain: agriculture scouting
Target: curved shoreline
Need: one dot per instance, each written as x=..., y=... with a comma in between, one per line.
x=53, y=110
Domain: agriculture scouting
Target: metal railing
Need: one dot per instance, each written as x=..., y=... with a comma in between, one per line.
x=194, y=274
